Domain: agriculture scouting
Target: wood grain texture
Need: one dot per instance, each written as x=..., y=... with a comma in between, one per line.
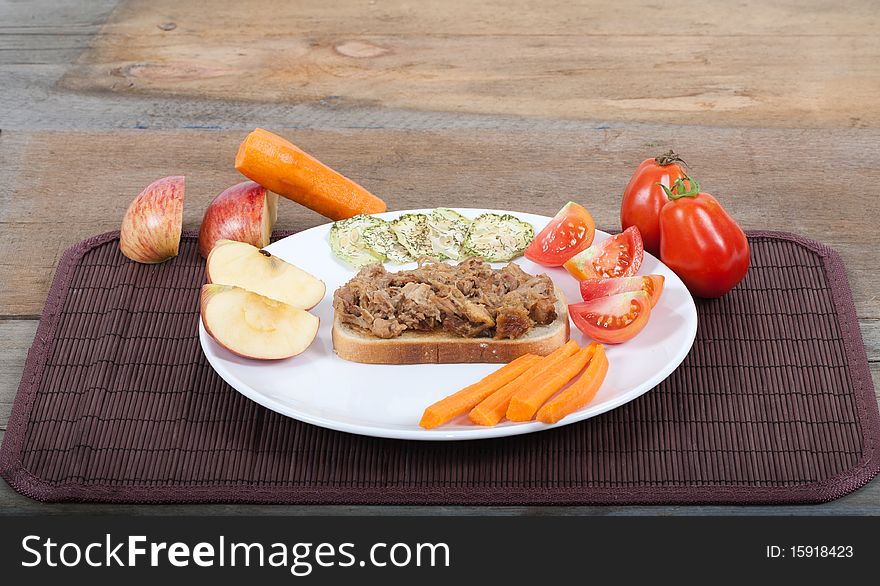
x=48, y=32
x=60, y=188
x=782, y=64
x=16, y=336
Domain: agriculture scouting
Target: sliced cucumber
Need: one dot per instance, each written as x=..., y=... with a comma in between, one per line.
x=448, y=230
x=348, y=243
x=413, y=233
x=497, y=237
x=443, y=234
x=382, y=240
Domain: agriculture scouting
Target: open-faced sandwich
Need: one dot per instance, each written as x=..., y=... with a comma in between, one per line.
x=445, y=313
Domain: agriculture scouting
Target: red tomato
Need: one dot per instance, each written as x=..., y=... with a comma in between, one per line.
x=643, y=198
x=613, y=319
x=701, y=242
x=618, y=256
x=595, y=288
x=568, y=233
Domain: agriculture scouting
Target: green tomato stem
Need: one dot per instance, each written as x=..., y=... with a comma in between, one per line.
x=679, y=189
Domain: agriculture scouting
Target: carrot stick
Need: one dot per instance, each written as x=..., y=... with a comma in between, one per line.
x=457, y=403
x=492, y=408
x=526, y=402
x=579, y=393
x=279, y=166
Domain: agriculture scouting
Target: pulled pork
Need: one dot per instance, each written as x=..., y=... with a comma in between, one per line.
x=470, y=299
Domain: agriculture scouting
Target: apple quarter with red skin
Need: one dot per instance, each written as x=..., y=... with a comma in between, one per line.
x=248, y=267
x=254, y=326
x=152, y=224
x=245, y=212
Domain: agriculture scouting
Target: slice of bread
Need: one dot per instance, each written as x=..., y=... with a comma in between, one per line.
x=442, y=348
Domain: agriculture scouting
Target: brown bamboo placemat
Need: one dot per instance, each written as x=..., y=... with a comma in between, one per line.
x=774, y=404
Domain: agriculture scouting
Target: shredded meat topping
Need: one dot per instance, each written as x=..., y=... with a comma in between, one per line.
x=470, y=299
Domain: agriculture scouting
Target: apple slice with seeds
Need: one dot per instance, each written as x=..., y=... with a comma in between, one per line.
x=254, y=326
x=246, y=266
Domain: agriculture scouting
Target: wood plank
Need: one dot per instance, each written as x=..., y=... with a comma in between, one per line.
x=31, y=99
x=45, y=32
x=59, y=188
x=811, y=64
x=39, y=39
x=53, y=16
x=17, y=336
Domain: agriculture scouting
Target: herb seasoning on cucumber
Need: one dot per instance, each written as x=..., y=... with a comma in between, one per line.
x=497, y=237
x=382, y=239
x=442, y=234
x=347, y=240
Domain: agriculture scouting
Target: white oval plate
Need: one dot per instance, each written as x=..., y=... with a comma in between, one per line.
x=387, y=400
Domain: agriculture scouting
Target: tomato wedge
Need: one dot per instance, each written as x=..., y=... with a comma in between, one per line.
x=651, y=284
x=618, y=256
x=570, y=231
x=613, y=319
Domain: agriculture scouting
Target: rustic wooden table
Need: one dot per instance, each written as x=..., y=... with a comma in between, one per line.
x=519, y=105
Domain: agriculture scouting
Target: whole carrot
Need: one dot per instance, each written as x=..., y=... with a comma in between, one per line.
x=280, y=166
x=526, y=402
x=578, y=393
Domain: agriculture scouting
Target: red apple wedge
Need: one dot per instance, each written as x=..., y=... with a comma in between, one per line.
x=245, y=212
x=254, y=326
x=151, y=227
x=248, y=267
